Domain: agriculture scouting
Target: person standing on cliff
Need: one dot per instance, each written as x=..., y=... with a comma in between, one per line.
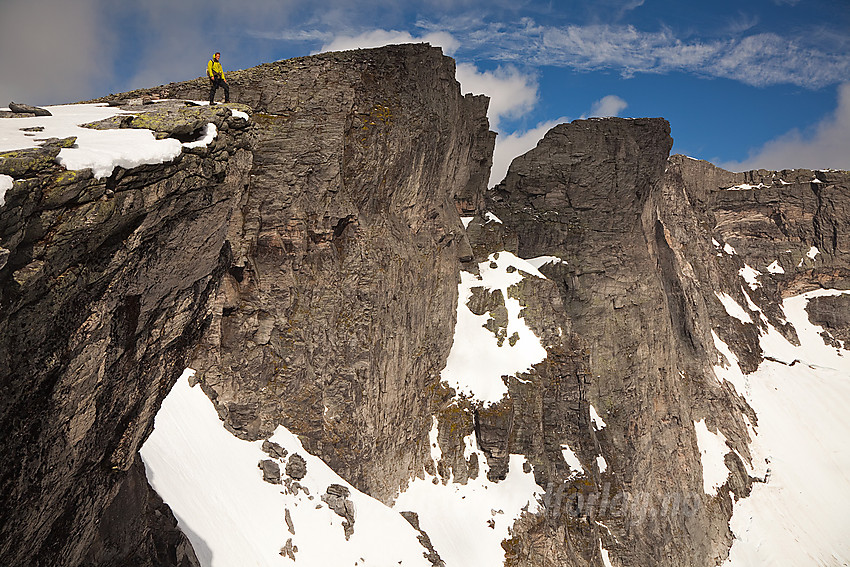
x=216, y=75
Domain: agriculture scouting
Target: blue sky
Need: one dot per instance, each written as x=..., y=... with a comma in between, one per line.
x=761, y=83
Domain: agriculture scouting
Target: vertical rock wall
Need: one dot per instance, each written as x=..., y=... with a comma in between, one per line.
x=337, y=312
x=589, y=194
x=642, y=246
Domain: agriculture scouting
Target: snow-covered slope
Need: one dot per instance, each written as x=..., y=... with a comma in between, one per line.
x=212, y=482
x=799, y=514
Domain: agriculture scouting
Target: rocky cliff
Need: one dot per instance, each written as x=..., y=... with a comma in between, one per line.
x=104, y=292
x=313, y=266
x=642, y=248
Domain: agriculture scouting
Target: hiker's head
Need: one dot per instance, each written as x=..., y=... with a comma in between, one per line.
x=217, y=55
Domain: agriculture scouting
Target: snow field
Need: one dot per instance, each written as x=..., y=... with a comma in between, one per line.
x=799, y=516
x=211, y=481
x=476, y=363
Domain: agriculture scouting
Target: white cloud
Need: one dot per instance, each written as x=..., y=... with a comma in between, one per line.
x=610, y=105
x=512, y=93
x=515, y=144
x=826, y=145
x=379, y=38
x=759, y=59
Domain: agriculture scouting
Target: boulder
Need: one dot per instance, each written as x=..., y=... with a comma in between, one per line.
x=271, y=471
x=296, y=467
x=336, y=497
x=27, y=109
x=274, y=450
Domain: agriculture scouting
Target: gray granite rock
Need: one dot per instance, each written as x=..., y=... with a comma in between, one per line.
x=296, y=466
x=105, y=290
x=271, y=471
x=274, y=450
x=27, y=109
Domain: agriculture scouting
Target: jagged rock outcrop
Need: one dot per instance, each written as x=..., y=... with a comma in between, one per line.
x=26, y=109
x=640, y=240
x=306, y=264
x=336, y=315
x=104, y=292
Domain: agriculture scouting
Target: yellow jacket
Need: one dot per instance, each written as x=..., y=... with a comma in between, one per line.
x=214, y=69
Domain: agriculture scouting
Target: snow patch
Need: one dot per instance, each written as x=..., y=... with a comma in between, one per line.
x=601, y=463
x=733, y=308
x=433, y=434
x=240, y=114
x=598, y=423
x=813, y=251
x=490, y=217
x=746, y=186
x=775, y=268
x=753, y=307
x=606, y=561
x=730, y=369
x=750, y=276
x=712, y=449
x=211, y=481
x=6, y=183
x=466, y=221
x=209, y=134
x=728, y=249
x=571, y=459
x=476, y=363
x=543, y=260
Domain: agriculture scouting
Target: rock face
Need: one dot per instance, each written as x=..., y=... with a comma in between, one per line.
x=640, y=240
x=336, y=310
x=307, y=265
x=336, y=314
x=103, y=294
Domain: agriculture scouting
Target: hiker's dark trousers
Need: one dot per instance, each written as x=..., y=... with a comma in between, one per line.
x=214, y=85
